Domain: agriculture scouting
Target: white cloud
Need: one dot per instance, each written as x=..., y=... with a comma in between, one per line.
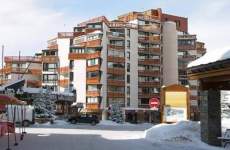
x=25, y=25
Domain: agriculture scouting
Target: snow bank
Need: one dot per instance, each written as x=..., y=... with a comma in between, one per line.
x=184, y=131
x=225, y=124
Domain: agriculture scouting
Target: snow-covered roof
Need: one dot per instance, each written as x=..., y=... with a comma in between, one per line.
x=63, y=93
x=211, y=57
x=2, y=88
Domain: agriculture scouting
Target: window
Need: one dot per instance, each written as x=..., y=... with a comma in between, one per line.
x=128, y=78
x=128, y=90
x=49, y=78
x=128, y=32
x=93, y=74
x=92, y=88
x=128, y=43
x=128, y=55
x=92, y=62
x=92, y=100
x=71, y=76
x=49, y=67
x=71, y=64
x=115, y=77
x=116, y=65
x=116, y=53
x=116, y=89
x=128, y=67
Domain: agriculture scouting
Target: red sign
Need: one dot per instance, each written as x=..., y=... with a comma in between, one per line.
x=154, y=102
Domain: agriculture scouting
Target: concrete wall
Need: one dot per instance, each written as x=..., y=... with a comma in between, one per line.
x=170, y=58
x=79, y=80
x=133, y=68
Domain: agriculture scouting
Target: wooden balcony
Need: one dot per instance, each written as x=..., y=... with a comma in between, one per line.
x=149, y=62
x=147, y=95
x=35, y=71
x=149, y=39
x=116, y=71
x=149, y=73
x=63, y=82
x=115, y=47
x=34, y=83
x=10, y=59
x=149, y=28
x=115, y=95
x=93, y=68
x=2, y=82
x=149, y=84
x=115, y=82
x=118, y=36
x=186, y=47
x=64, y=70
x=94, y=43
x=116, y=59
x=76, y=56
x=6, y=70
x=95, y=80
x=93, y=93
x=53, y=46
x=93, y=106
x=50, y=59
x=187, y=58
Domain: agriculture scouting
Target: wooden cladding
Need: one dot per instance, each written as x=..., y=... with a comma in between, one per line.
x=115, y=95
x=149, y=61
x=93, y=68
x=73, y=56
x=150, y=50
x=149, y=73
x=94, y=43
x=63, y=69
x=34, y=83
x=63, y=82
x=115, y=59
x=93, y=93
x=50, y=59
x=116, y=83
x=51, y=47
x=149, y=84
x=149, y=39
x=92, y=106
x=149, y=28
x=35, y=71
x=116, y=71
x=115, y=47
x=11, y=59
x=94, y=80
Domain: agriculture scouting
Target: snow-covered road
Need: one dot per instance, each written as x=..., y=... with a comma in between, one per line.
x=87, y=137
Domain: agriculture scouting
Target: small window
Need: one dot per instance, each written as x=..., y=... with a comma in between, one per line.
x=128, y=67
x=128, y=32
x=128, y=43
x=128, y=78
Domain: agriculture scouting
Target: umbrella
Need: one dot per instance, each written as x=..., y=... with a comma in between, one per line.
x=5, y=99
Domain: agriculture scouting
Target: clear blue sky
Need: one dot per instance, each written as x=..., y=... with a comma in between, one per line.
x=27, y=24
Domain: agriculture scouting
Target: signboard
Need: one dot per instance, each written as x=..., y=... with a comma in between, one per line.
x=154, y=103
x=174, y=114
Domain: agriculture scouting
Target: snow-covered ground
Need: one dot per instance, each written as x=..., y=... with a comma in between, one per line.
x=110, y=135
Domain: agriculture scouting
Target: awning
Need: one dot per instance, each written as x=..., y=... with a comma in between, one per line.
x=6, y=100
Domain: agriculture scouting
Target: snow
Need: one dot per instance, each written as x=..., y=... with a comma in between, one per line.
x=32, y=90
x=211, y=57
x=183, y=133
x=225, y=124
x=112, y=123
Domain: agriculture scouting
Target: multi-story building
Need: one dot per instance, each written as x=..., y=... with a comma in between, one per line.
x=22, y=67
x=55, y=63
x=119, y=63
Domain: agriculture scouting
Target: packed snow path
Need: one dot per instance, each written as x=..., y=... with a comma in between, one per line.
x=104, y=136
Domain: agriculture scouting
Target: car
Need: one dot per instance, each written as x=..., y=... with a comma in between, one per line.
x=84, y=118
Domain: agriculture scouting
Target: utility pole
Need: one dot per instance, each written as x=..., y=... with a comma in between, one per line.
x=19, y=69
x=2, y=79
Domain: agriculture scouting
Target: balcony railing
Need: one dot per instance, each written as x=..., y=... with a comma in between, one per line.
x=93, y=68
x=149, y=28
x=116, y=59
x=94, y=80
x=149, y=84
x=116, y=71
x=22, y=59
x=92, y=106
x=50, y=59
x=94, y=43
x=93, y=93
x=115, y=95
x=116, y=35
x=63, y=82
x=149, y=61
x=73, y=56
x=150, y=50
x=63, y=70
x=149, y=73
x=115, y=47
x=149, y=39
x=116, y=82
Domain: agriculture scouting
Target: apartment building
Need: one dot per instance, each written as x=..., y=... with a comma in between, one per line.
x=55, y=63
x=119, y=62
x=22, y=67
